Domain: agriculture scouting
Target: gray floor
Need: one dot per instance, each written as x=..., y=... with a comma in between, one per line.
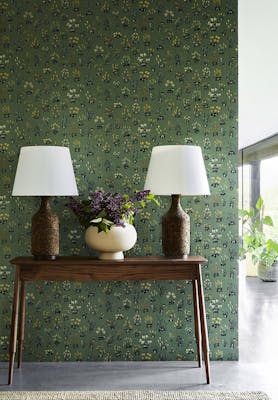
x=256, y=370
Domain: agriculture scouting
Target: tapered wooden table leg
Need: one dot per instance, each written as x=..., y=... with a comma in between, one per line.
x=21, y=323
x=203, y=320
x=197, y=322
x=14, y=324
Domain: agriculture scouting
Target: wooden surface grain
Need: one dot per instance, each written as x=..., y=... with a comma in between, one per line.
x=93, y=269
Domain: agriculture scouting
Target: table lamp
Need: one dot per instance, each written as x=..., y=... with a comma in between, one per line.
x=45, y=171
x=176, y=170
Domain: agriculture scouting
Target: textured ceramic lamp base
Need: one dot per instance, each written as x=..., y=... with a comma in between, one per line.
x=176, y=230
x=45, y=232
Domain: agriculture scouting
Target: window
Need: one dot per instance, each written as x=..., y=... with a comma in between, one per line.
x=258, y=172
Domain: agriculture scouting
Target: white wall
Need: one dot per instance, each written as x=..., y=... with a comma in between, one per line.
x=258, y=70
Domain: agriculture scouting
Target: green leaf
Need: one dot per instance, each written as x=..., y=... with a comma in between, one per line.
x=96, y=221
x=267, y=258
x=103, y=227
x=243, y=213
x=242, y=254
x=248, y=240
x=106, y=221
x=151, y=197
x=142, y=203
x=130, y=219
x=267, y=220
x=259, y=203
x=272, y=245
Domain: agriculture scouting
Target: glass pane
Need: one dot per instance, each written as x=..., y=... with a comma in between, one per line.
x=244, y=189
x=269, y=192
x=244, y=186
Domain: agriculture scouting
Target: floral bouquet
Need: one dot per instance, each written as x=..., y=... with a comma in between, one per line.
x=104, y=210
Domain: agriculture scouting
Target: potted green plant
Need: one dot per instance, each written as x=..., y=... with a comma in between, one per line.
x=263, y=250
x=108, y=219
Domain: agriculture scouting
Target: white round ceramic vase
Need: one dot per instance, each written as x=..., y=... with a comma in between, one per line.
x=113, y=243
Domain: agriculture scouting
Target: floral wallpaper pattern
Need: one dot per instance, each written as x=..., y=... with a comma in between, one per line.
x=112, y=79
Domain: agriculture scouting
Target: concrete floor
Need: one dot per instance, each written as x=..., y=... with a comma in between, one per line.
x=256, y=370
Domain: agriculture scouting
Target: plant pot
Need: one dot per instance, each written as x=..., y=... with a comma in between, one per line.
x=111, y=244
x=268, y=274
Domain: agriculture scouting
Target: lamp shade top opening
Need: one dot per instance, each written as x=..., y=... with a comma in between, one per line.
x=44, y=171
x=177, y=169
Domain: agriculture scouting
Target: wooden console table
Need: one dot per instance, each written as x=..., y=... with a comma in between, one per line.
x=91, y=269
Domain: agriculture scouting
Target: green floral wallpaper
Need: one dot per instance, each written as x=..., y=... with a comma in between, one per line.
x=111, y=79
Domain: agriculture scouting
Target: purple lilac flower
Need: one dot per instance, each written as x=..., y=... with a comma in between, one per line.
x=115, y=207
x=141, y=195
x=75, y=206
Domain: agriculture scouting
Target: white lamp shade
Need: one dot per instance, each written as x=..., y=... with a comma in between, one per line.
x=44, y=171
x=177, y=169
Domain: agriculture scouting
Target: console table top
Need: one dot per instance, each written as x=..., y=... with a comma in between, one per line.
x=140, y=260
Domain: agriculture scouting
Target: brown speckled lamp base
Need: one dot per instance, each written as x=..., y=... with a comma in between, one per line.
x=45, y=232
x=176, y=230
